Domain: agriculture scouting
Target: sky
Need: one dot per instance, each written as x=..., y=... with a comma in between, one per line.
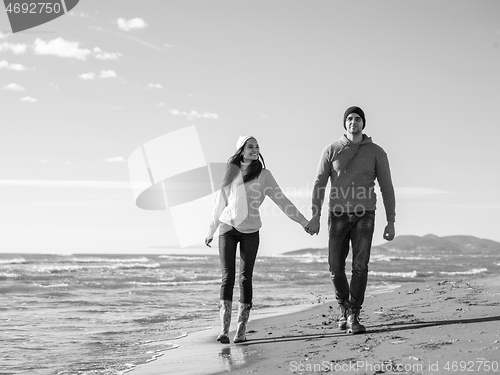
x=80, y=94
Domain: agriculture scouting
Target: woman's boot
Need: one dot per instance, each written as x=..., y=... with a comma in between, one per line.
x=243, y=315
x=225, y=320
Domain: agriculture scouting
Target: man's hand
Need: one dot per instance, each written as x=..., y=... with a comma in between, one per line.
x=207, y=241
x=313, y=226
x=389, y=232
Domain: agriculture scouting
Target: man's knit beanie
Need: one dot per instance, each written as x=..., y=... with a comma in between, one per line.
x=356, y=110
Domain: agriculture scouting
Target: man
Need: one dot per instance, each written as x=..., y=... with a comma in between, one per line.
x=352, y=164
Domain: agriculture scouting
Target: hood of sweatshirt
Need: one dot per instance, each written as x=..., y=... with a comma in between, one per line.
x=348, y=151
x=344, y=141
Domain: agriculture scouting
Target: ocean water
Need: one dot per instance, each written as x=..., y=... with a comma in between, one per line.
x=105, y=314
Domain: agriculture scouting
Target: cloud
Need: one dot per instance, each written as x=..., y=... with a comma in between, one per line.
x=100, y=55
x=117, y=159
x=43, y=161
x=16, y=49
x=29, y=99
x=87, y=76
x=103, y=75
x=194, y=115
x=155, y=86
x=108, y=74
x=17, y=67
x=61, y=48
x=14, y=87
x=133, y=24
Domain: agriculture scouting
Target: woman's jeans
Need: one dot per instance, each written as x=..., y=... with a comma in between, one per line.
x=356, y=228
x=249, y=245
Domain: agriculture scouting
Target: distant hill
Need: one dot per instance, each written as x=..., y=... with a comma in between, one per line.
x=308, y=252
x=428, y=243
x=470, y=242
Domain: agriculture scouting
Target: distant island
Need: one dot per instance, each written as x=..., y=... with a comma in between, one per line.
x=429, y=242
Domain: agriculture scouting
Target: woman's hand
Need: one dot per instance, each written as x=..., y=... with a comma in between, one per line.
x=304, y=223
x=313, y=226
x=207, y=241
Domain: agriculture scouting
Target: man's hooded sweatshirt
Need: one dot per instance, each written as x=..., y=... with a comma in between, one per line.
x=352, y=169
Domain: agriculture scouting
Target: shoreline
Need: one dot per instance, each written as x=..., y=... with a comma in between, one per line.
x=419, y=328
x=214, y=357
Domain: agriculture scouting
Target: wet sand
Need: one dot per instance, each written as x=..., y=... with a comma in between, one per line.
x=421, y=328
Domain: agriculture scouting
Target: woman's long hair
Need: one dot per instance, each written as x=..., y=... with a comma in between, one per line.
x=233, y=168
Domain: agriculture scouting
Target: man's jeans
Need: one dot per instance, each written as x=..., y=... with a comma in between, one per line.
x=356, y=228
x=249, y=245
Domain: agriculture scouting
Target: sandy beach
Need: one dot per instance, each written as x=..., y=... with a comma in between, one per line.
x=444, y=327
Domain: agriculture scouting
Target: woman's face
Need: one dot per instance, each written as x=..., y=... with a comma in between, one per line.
x=251, y=151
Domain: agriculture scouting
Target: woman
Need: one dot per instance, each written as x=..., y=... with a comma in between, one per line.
x=245, y=185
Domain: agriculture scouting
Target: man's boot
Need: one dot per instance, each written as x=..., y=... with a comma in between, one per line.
x=344, y=307
x=243, y=315
x=353, y=324
x=225, y=320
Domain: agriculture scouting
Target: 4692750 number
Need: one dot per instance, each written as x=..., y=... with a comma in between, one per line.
x=480, y=365
x=34, y=8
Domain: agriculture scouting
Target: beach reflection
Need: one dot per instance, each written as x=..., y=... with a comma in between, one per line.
x=232, y=357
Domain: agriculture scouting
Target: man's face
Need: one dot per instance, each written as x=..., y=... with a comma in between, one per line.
x=354, y=123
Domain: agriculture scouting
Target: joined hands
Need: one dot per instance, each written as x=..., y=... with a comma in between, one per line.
x=313, y=226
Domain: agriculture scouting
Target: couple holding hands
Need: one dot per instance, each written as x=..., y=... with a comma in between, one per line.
x=352, y=165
